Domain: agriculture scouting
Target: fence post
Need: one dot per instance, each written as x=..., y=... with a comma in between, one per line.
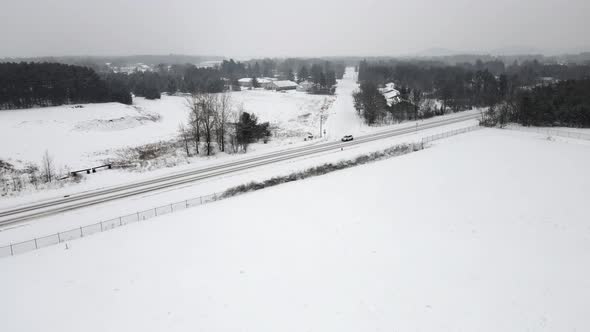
x=101, y=226
x=137, y=215
x=81, y=233
x=11, y=251
x=171, y=208
x=186, y=204
x=156, y=212
x=201, y=198
x=120, y=222
x=58, y=238
x=36, y=247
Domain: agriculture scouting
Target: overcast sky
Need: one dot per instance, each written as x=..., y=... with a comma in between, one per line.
x=288, y=28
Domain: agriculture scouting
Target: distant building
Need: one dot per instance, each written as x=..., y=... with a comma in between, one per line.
x=305, y=86
x=138, y=67
x=263, y=82
x=546, y=81
x=391, y=94
x=209, y=64
x=245, y=82
x=283, y=85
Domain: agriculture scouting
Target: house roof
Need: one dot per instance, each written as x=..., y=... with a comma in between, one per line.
x=391, y=94
x=284, y=84
x=261, y=80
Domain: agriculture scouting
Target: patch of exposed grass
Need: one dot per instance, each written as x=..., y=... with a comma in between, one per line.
x=394, y=151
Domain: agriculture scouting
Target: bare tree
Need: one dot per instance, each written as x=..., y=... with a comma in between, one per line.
x=223, y=115
x=17, y=182
x=232, y=128
x=32, y=172
x=193, y=103
x=48, y=167
x=185, y=136
x=416, y=98
x=203, y=119
x=208, y=119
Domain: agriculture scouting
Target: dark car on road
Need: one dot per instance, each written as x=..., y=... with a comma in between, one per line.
x=347, y=138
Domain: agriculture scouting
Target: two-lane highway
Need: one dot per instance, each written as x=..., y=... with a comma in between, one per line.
x=62, y=204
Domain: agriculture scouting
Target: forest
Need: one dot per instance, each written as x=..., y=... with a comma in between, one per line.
x=541, y=94
x=41, y=84
x=26, y=85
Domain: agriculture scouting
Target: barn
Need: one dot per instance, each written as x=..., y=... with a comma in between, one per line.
x=283, y=85
x=263, y=82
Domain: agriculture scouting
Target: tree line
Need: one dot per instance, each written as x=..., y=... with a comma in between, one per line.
x=429, y=88
x=565, y=103
x=26, y=85
x=171, y=79
x=322, y=76
x=320, y=72
x=191, y=79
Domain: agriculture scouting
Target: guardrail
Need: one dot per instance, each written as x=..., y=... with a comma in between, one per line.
x=83, y=231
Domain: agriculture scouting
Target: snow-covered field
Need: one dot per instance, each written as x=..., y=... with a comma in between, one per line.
x=82, y=217
x=294, y=113
x=83, y=137
x=486, y=231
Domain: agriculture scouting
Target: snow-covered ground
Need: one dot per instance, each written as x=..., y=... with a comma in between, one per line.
x=83, y=137
x=486, y=231
x=73, y=219
x=294, y=113
x=555, y=132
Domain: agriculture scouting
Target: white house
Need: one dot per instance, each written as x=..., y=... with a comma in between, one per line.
x=390, y=93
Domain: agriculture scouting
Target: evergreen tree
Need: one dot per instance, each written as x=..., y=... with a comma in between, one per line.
x=290, y=75
x=248, y=130
x=303, y=74
x=255, y=83
x=316, y=73
x=256, y=70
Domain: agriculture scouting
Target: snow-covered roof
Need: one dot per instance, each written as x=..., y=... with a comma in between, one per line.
x=284, y=84
x=390, y=94
x=261, y=80
x=390, y=90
